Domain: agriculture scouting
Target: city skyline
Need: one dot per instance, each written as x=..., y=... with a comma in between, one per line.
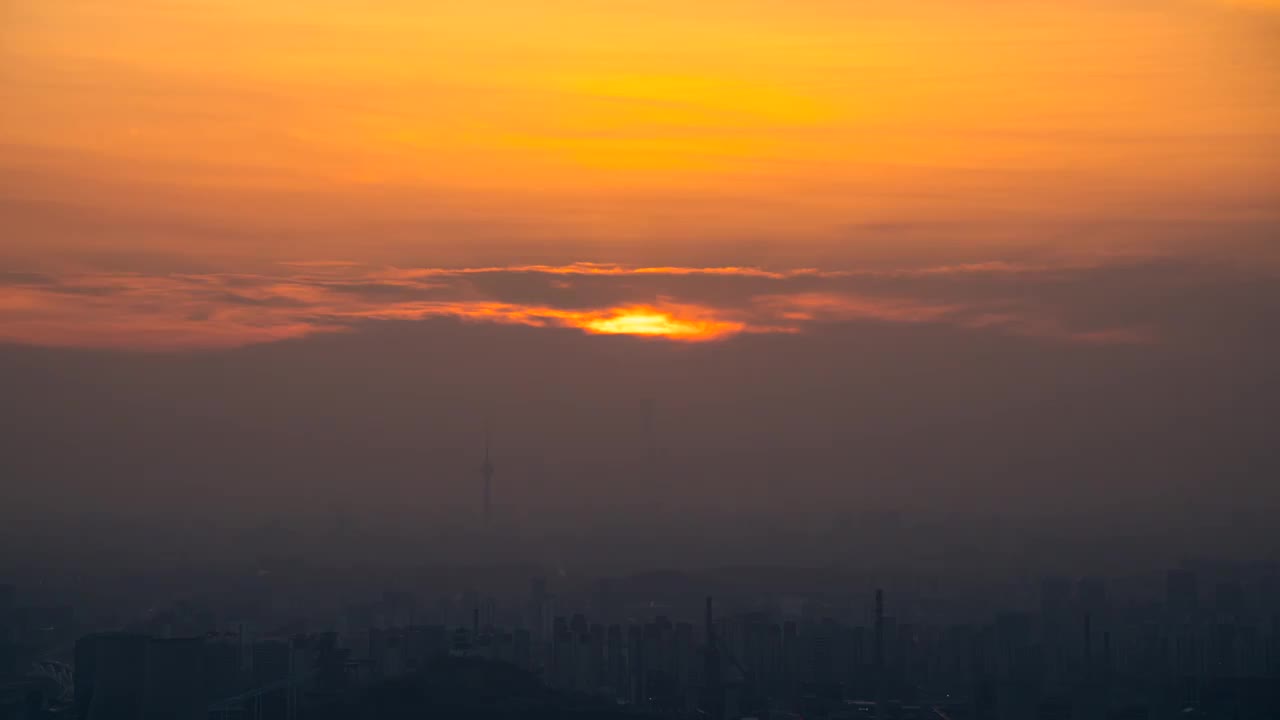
x=1197, y=640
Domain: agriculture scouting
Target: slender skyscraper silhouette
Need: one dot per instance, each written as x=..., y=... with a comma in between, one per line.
x=879, y=646
x=713, y=689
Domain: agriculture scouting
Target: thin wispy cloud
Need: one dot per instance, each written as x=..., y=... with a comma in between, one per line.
x=679, y=304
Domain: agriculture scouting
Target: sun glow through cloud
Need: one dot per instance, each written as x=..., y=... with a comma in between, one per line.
x=143, y=311
x=654, y=322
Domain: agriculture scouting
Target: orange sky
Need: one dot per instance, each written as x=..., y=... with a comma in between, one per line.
x=151, y=136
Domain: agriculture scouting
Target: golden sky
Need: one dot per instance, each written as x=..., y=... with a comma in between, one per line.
x=160, y=135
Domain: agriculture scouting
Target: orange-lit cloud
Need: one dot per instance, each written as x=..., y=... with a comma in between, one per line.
x=614, y=269
x=1273, y=5
x=836, y=307
x=222, y=310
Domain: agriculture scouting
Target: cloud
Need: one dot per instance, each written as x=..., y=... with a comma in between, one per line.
x=1267, y=5
x=153, y=311
x=616, y=270
x=838, y=307
x=24, y=278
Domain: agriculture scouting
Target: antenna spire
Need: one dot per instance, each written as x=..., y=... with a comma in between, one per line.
x=486, y=473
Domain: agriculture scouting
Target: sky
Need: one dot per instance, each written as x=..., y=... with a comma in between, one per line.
x=1003, y=252
x=268, y=142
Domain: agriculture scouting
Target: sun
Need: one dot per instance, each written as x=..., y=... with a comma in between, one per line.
x=665, y=323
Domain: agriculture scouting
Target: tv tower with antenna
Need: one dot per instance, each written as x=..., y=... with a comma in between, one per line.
x=650, y=436
x=486, y=474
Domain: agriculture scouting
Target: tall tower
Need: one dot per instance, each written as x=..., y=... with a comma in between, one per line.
x=879, y=646
x=651, y=442
x=658, y=488
x=486, y=473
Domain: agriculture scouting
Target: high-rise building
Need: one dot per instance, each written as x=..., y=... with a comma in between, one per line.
x=635, y=664
x=7, y=595
x=713, y=687
x=616, y=651
x=1182, y=591
x=879, y=637
x=1055, y=599
x=1092, y=594
x=603, y=602
x=124, y=676
x=536, y=605
x=1229, y=598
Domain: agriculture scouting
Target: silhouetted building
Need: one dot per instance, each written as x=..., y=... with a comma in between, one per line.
x=120, y=677
x=713, y=701
x=1182, y=591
